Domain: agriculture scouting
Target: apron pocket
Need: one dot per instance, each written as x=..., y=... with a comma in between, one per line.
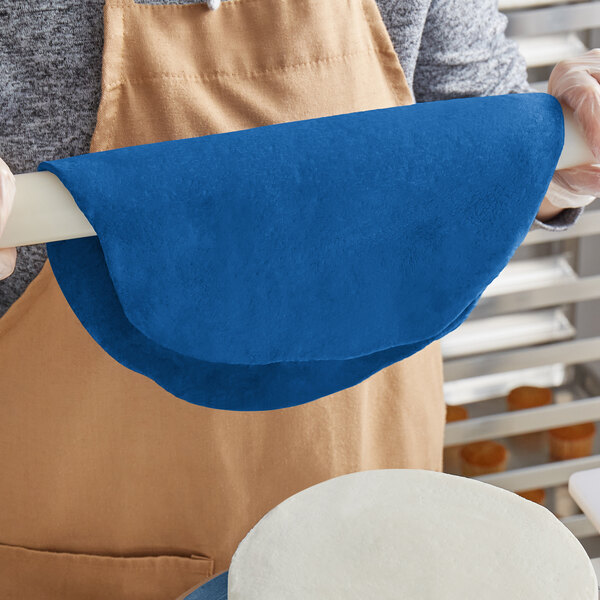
x=27, y=574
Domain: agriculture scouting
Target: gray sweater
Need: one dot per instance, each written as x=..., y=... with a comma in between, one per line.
x=51, y=63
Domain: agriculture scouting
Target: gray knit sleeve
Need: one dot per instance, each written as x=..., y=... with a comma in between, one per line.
x=464, y=52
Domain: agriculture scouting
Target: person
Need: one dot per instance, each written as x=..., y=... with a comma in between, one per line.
x=110, y=487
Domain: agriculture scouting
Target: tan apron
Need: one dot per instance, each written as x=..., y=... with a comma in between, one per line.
x=111, y=488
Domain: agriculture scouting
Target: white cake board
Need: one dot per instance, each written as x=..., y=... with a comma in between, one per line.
x=584, y=486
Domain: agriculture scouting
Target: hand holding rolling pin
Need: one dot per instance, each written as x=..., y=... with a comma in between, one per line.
x=8, y=256
x=575, y=82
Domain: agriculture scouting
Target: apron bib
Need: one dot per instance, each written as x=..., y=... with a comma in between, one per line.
x=110, y=487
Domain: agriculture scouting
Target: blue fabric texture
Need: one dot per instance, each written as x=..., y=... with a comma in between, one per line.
x=215, y=589
x=309, y=255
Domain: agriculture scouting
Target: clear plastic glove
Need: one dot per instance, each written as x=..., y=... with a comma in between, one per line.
x=8, y=256
x=575, y=82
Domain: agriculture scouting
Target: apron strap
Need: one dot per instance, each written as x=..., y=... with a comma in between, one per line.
x=119, y=3
x=212, y=4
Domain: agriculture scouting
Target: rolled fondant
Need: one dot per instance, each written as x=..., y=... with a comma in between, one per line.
x=310, y=254
x=406, y=533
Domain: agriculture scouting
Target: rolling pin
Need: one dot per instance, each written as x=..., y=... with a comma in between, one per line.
x=45, y=211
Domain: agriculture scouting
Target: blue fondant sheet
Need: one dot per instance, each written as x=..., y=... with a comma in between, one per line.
x=265, y=268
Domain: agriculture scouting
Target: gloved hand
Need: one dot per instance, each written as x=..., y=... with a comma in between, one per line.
x=8, y=256
x=576, y=83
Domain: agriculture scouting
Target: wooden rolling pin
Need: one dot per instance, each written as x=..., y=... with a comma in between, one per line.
x=44, y=210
